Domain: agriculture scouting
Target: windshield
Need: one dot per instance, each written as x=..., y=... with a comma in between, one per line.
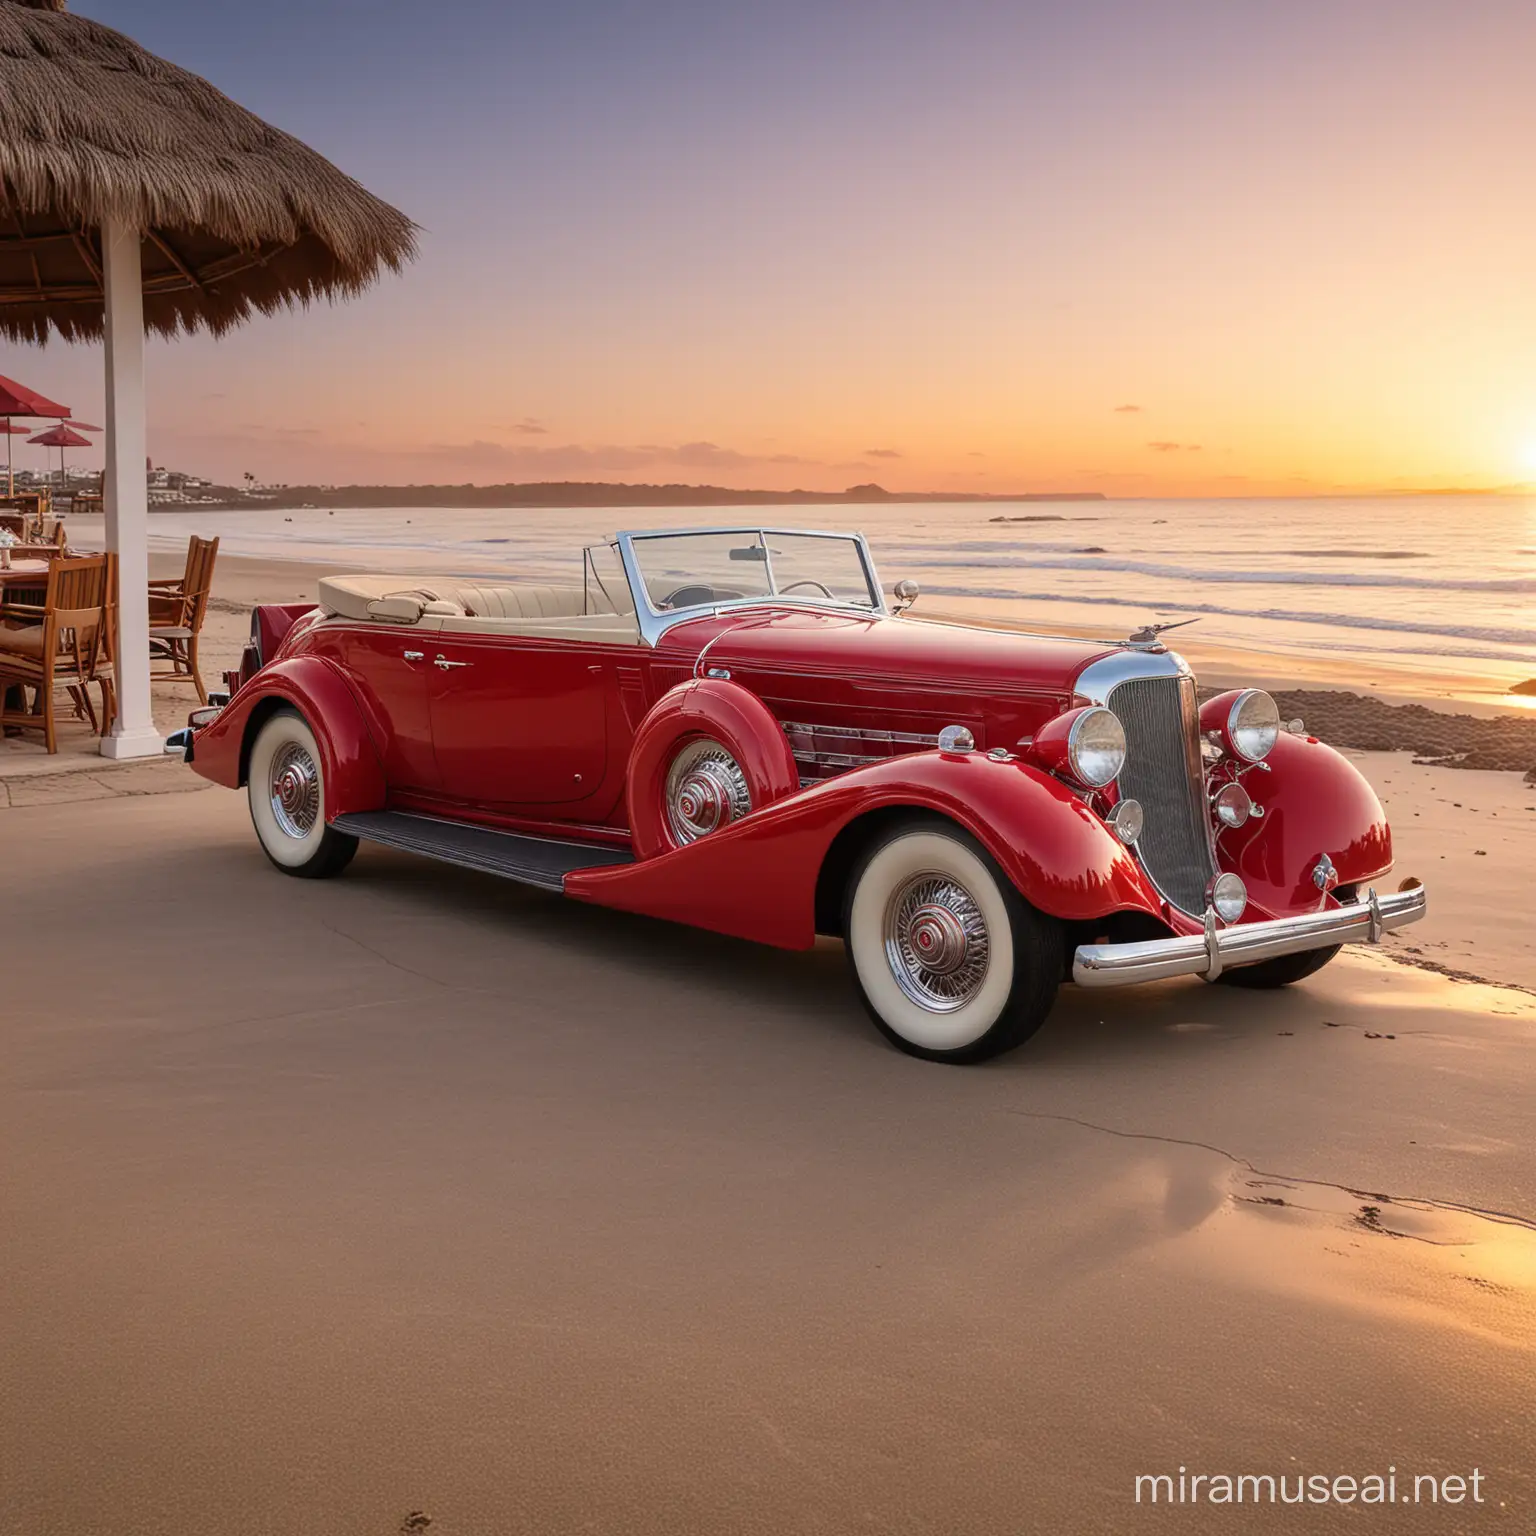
x=689, y=570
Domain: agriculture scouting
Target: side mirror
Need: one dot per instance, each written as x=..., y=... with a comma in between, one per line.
x=906, y=594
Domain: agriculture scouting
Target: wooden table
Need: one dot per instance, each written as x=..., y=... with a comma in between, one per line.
x=32, y=575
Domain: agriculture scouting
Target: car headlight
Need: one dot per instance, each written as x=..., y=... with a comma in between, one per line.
x=1096, y=748
x=1253, y=725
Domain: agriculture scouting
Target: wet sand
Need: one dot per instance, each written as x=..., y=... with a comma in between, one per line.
x=332, y=1203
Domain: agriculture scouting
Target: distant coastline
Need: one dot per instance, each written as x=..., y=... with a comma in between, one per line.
x=576, y=493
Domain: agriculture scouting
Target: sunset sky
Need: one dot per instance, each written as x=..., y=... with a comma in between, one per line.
x=1137, y=247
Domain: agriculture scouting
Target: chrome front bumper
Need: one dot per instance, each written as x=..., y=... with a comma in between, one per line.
x=1210, y=953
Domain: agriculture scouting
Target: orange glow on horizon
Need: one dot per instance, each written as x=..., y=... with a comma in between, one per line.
x=988, y=250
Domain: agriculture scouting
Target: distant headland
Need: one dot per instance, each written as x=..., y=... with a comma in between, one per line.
x=579, y=493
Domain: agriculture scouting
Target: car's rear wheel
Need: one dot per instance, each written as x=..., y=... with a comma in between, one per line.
x=951, y=962
x=1285, y=969
x=286, y=789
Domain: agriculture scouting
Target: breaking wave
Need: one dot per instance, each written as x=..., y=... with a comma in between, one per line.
x=1487, y=634
x=1512, y=585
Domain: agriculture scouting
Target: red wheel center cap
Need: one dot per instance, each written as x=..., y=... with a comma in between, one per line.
x=938, y=938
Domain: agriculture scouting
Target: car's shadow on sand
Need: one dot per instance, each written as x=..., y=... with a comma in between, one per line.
x=811, y=992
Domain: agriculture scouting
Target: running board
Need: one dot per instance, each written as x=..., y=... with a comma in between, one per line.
x=540, y=861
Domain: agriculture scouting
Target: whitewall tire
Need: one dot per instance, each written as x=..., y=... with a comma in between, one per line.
x=951, y=962
x=286, y=788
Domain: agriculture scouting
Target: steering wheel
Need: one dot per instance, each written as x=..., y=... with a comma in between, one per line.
x=691, y=594
x=810, y=581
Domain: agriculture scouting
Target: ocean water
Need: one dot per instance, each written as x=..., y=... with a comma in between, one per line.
x=1441, y=583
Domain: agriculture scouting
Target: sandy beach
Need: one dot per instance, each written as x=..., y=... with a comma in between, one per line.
x=419, y=1194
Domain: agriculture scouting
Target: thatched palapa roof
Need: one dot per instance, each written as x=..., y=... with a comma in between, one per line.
x=237, y=215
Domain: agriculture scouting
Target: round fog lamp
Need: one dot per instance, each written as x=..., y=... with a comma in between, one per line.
x=1232, y=804
x=1229, y=896
x=1125, y=821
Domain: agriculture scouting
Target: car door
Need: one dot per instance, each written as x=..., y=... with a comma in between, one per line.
x=517, y=721
x=387, y=668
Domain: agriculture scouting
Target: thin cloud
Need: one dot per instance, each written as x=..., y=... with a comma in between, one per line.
x=1167, y=447
x=881, y=453
x=528, y=427
x=593, y=461
x=1127, y=410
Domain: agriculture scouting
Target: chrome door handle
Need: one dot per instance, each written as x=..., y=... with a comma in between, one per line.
x=444, y=663
x=414, y=655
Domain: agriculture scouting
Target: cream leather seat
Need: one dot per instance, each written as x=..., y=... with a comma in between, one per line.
x=449, y=603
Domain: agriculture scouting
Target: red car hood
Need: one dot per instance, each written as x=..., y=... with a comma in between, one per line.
x=891, y=650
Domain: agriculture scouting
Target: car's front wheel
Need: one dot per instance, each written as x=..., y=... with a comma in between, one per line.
x=951, y=962
x=286, y=789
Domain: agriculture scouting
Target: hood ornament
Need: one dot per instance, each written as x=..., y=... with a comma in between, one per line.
x=1148, y=633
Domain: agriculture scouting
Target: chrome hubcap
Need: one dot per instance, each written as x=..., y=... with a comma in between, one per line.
x=706, y=790
x=294, y=787
x=936, y=942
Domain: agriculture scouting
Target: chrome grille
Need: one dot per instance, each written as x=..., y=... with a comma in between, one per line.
x=1163, y=771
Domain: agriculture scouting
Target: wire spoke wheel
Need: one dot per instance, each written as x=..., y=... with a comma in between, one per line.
x=289, y=799
x=936, y=942
x=294, y=787
x=705, y=790
x=950, y=960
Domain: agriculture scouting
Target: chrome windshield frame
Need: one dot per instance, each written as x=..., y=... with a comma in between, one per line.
x=654, y=623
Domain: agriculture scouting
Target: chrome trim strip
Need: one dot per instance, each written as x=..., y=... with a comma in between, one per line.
x=860, y=733
x=913, y=740
x=1207, y=953
x=836, y=759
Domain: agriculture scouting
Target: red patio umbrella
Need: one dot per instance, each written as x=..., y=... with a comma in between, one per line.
x=17, y=400
x=61, y=437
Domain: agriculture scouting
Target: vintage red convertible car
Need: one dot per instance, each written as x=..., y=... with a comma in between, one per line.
x=735, y=728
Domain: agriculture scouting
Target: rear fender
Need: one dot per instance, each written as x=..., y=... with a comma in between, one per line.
x=757, y=878
x=354, y=777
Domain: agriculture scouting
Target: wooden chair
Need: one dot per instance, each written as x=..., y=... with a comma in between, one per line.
x=62, y=644
x=177, y=606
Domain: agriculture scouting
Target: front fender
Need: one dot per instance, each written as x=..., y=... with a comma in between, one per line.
x=354, y=776
x=756, y=878
x=1315, y=802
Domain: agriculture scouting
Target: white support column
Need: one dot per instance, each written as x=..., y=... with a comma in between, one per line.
x=125, y=493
